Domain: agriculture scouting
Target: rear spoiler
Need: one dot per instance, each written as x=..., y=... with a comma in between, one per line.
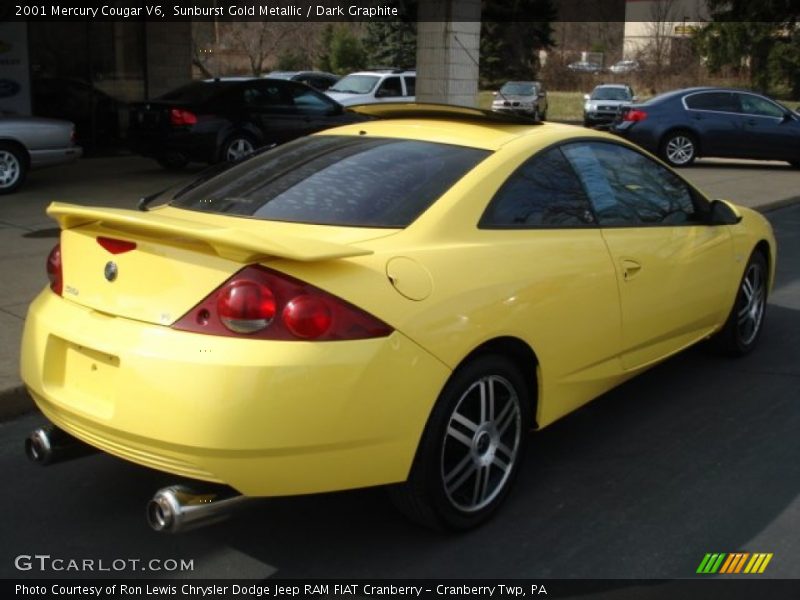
x=227, y=242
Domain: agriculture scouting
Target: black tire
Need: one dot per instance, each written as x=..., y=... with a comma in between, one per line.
x=745, y=322
x=174, y=161
x=464, y=449
x=237, y=147
x=587, y=123
x=13, y=168
x=795, y=163
x=544, y=116
x=678, y=148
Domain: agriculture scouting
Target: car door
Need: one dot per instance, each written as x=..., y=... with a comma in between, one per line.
x=389, y=90
x=550, y=256
x=717, y=118
x=269, y=106
x=410, y=82
x=673, y=270
x=771, y=132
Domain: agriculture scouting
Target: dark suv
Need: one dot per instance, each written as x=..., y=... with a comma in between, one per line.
x=681, y=125
x=225, y=119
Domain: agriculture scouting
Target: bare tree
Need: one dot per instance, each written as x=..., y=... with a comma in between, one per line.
x=660, y=29
x=260, y=41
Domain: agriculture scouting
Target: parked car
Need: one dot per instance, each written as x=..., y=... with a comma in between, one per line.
x=397, y=301
x=380, y=85
x=603, y=105
x=583, y=66
x=522, y=97
x=685, y=124
x=217, y=120
x=30, y=143
x=319, y=80
x=624, y=67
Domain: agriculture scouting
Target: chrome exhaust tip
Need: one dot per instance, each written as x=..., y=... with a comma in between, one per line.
x=47, y=445
x=178, y=508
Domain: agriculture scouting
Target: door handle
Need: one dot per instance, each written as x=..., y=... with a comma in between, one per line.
x=630, y=269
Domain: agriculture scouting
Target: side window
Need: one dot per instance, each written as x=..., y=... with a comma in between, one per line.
x=755, y=105
x=720, y=101
x=411, y=86
x=307, y=101
x=270, y=96
x=627, y=188
x=543, y=192
x=390, y=88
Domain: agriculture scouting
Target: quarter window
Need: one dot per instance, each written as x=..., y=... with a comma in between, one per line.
x=543, y=192
x=627, y=188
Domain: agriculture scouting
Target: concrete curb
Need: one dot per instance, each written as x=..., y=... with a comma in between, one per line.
x=16, y=401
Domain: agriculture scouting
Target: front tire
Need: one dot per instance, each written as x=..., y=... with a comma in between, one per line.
x=743, y=327
x=678, y=149
x=13, y=168
x=472, y=447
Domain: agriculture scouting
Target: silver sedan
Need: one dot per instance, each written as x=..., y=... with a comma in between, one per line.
x=33, y=142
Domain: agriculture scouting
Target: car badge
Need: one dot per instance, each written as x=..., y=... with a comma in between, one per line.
x=110, y=271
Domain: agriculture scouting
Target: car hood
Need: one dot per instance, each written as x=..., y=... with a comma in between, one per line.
x=346, y=99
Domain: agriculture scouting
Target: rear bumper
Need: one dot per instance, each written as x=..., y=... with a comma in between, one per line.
x=267, y=418
x=646, y=138
x=54, y=156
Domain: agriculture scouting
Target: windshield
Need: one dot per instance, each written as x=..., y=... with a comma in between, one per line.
x=355, y=84
x=337, y=180
x=514, y=88
x=611, y=94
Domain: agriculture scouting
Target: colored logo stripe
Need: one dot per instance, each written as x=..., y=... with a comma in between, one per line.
x=724, y=563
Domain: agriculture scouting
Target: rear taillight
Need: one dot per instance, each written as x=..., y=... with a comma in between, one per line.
x=73, y=138
x=54, y=270
x=634, y=115
x=178, y=116
x=264, y=304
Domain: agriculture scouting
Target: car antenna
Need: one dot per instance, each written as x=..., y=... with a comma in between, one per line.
x=472, y=58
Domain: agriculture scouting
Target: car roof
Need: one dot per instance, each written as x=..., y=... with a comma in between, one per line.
x=624, y=86
x=456, y=125
x=382, y=72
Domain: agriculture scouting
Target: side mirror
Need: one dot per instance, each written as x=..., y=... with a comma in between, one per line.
x=586, y=97
x=722, y=214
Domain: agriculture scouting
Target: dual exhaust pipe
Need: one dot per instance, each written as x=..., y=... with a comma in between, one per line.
x=172, y=509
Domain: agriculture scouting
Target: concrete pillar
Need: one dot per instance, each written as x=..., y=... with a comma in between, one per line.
x=168, y=47
x=448, y=50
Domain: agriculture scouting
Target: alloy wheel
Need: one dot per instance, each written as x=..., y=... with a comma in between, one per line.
x=481, y=443
x=752, y=301
x=238, y=149
x=9, y=169
x=680, y=150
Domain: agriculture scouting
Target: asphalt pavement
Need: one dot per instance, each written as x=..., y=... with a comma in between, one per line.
x=698, y=455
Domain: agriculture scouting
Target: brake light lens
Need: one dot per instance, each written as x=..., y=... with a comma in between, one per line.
x=246, y=306
x=260, y=303
x=54, y=271
x=634, y=115
x=115, y=246
x=178, y=116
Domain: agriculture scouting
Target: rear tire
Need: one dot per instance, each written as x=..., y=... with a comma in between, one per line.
x=745, y=322
x=13, y=168
x=678, y=149
x=237, y=147
x=471, y=449
x=795, y=163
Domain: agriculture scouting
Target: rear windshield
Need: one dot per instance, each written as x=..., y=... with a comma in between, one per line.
x=337, y=180
x=196, y=91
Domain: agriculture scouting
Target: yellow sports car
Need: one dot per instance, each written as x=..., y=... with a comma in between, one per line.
x=392, y=302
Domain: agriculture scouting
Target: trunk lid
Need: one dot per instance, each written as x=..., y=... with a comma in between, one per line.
x=180, y=256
